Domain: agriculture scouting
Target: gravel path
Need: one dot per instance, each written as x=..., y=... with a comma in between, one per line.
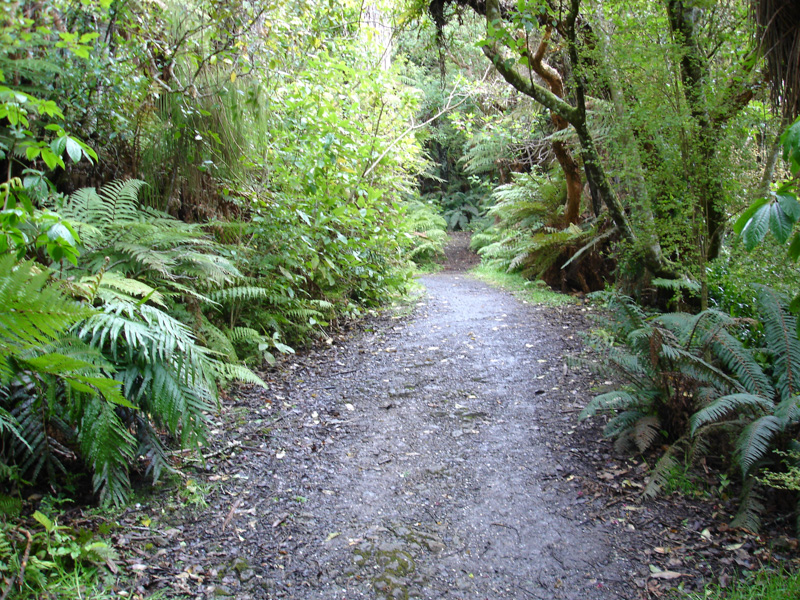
x=448, y=486
x=426, y=457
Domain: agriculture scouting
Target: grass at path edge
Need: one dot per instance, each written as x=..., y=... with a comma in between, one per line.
x=532, y=292
x=764, y=585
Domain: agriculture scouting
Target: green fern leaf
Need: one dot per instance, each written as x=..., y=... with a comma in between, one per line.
x=780, y=328
x=616, y=400
x=755, y=441
x=109, y=447
x=721, y=407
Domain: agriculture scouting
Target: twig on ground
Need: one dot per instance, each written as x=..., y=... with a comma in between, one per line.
x=227, y=520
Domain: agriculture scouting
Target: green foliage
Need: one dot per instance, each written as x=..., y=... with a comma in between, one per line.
x=524, y=237
x=687, y=377
x=426, y=233
x=58, y=355
x=460, y=208
x=763, y=585
x=56, y=561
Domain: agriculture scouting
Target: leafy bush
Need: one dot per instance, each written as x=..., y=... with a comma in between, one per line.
x=425, y=232
x=687, y=377
x=45, y=559
x=524, y=237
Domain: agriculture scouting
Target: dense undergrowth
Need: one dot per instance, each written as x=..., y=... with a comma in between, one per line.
x=190, y=190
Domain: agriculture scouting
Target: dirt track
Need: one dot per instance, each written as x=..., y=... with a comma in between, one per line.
x=427, y=456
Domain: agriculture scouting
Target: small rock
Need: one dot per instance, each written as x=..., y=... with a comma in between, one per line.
x=222, y=590
x=435, y=546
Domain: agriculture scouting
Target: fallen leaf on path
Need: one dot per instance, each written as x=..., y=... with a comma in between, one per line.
x=667, y=575
x=333, y=534
x=730, y=547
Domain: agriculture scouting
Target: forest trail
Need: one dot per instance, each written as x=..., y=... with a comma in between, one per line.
x=427, y=457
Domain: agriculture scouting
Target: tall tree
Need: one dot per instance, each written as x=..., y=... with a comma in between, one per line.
x=709, y=89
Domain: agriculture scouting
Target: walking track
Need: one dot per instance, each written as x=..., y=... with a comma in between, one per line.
x=427, y=457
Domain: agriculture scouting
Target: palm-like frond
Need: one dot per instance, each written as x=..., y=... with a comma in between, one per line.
x=780, y=327
x=725, y=405
x=756, y=440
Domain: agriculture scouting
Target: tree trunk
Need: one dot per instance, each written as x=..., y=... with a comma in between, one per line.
x=575, y=116
x=572, y=173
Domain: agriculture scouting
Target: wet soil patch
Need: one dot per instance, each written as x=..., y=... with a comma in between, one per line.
x=457, y=255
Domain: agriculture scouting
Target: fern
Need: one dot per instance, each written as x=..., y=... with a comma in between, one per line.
x=645, y=432
x=756, y=441
x=740, y=361
x=725, y=405
x=242, y=293
x=663, y=470
x=109, y=447
x=750, y=507
x=780, y=328
x=617, y=400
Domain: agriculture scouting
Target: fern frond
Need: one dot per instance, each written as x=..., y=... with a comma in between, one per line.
x=720, y=407
x=646, y=431
x=130, y=287
x=241, y=293
x=240, y=373
x=151, y=448
x=750, y=507
x=32, y=312
x=741, y=362
x=622, y=422
x=755, y=441
x=108, y=446
x=616, y=400
x=788, y=411
x=780, y=328
x=663, y=470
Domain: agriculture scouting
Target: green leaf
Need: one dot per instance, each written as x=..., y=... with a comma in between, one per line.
x=51, y=160
x=73, y=149
x=48, y=525
x=60, y=233
x=32, y=151
x=779, y=223
x=791, y=145
x=789, y=205
x=58, y=145
x=748, y=214
x=757, y=227
x=794, y=247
